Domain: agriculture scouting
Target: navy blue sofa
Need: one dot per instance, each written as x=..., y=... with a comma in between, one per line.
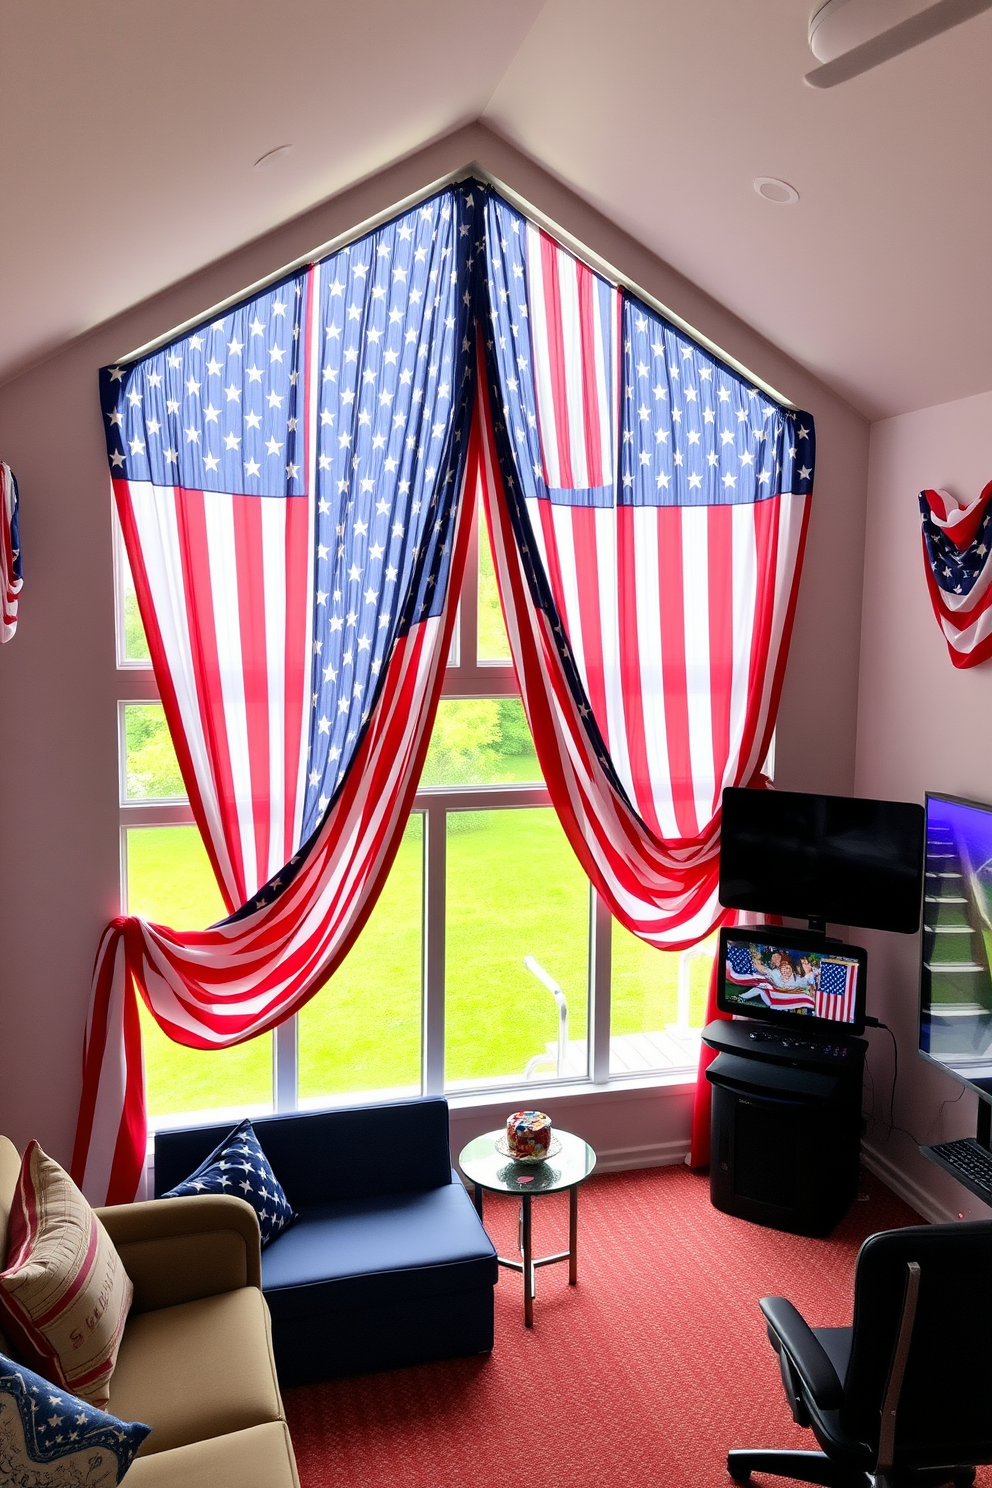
x=388, y=1263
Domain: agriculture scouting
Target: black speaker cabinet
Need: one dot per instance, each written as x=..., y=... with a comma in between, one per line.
x=786, y=1135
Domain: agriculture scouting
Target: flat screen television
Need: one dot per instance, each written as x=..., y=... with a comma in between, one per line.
x=956, y=945
x=831, y=859
x=793, y=977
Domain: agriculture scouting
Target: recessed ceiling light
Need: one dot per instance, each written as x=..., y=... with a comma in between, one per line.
x=774, y=190
x=270, y=159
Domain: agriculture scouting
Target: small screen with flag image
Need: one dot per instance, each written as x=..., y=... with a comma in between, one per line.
x=791, y=975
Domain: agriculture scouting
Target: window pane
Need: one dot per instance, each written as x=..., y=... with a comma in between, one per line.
x=481, y=741
x=362, y=1031
x=135, y=644
x=514, y=889
x=151, y=767
x=493, y=643
x=658, y=1004
x=170, y=881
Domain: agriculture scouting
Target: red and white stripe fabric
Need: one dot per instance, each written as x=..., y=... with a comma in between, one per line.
x=11, y=581
x=575, y=322
x=787, y=999
x=958, y=519
x=224, y=589
x=839, y=1001
x=652, y=848
x=673, y=615
x=214, y=988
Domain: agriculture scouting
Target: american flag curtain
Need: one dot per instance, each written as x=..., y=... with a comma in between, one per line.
x=648, y=509
x=288, y=479
x=294, y=482
x=957, y=552
x=11, y=581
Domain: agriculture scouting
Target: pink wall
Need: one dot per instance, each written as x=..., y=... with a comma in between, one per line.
x=59, y=864
x=922, y=725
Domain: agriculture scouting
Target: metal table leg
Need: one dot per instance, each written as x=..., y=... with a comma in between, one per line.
x=573, y=1235
x=528, y=1263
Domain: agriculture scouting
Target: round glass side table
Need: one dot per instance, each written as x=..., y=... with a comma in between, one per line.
x=571, y=1165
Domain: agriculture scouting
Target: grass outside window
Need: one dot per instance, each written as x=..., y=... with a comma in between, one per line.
x=170, y=882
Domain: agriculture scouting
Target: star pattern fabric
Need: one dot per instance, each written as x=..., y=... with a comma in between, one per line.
x=238, y=1166
x=959, y=573
x=695, y=433
x=52, y=1439
x=395, y=378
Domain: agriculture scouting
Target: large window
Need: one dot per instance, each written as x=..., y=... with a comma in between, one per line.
x=487, y=962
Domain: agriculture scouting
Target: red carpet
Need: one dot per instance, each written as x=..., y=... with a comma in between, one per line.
x=643, y=1374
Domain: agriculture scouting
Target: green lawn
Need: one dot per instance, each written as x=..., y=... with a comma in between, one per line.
x=170, y=881
x=513, y=888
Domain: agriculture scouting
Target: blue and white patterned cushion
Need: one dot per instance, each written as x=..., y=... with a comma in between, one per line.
x=51, y=1439
x=240, y=1167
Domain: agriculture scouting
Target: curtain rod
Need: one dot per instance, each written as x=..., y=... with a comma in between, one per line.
x=475, y=171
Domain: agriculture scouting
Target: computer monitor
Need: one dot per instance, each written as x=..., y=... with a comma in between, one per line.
x=793, y=977
x=838, y=859
x=956, y=945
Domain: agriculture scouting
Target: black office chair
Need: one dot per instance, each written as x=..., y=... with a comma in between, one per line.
x=903, y=1396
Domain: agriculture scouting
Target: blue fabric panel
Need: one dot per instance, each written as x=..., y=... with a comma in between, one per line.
x=394, y=1336
x=322, y=1156
x=373, y=1252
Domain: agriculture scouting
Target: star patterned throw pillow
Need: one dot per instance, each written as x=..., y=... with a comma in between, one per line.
x=240, y=1167
x=51, y=1439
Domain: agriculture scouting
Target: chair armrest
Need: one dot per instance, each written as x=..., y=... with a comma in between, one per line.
x=179, y=1250
x=788, y=1330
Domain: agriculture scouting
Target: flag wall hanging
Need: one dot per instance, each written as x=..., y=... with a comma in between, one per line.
x=956, y=549
x=10, y=553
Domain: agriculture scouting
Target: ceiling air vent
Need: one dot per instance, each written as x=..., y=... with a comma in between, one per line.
x=848, y=37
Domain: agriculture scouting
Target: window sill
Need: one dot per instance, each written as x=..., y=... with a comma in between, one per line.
x=502, y=1095
x=573, y=1090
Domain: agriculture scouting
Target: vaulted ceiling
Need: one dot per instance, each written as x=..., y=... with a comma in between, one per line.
x=129, y=128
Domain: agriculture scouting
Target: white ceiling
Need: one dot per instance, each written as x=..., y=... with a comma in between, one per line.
x=128, y=129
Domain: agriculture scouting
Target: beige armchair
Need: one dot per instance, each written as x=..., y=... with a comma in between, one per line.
x=196, y=1361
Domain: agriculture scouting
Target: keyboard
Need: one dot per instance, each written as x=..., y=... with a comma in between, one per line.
x=968, y=1162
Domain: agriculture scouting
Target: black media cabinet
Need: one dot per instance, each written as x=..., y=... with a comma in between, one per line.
x=786, y=1137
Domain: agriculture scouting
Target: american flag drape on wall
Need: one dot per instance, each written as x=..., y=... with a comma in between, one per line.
x=649, y=600
x=11, y=580
x=289, y=482
x=957, y=552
